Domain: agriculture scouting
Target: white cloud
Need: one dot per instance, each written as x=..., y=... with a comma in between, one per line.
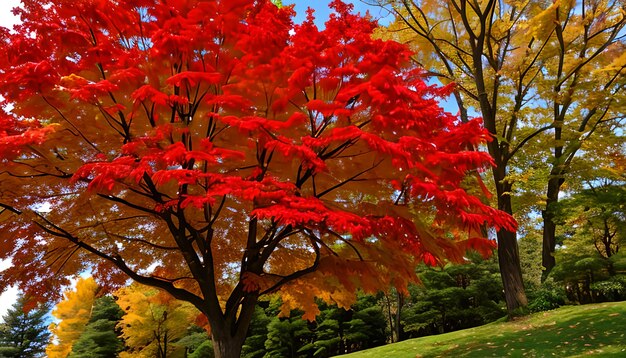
x=8, y=297
x=7, y=19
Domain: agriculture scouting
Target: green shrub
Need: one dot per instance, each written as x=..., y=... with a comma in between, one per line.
x=546, y=298
x=613, y=289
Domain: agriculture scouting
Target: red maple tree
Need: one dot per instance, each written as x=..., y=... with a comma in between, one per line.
x=220, y=152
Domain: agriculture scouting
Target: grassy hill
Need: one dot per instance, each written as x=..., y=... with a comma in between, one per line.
x=572, y=331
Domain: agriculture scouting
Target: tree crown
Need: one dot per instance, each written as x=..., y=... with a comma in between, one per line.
x=218, y=151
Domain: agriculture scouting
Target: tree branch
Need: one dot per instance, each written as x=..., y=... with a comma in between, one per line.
x=299, y=273
x=523, y=142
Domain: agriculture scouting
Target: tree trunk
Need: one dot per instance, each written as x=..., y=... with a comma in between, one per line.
x=229, y=331
x=228, y=344
x=226, y=347
x=398, y=327
x=391, y=318
x=508, y=252
x=549, y=226
x=511, y=272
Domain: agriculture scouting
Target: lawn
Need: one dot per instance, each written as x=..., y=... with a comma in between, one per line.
x=572, y=331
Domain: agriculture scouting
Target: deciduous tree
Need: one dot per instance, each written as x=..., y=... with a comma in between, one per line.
x=73, y=314
x=219, y=152
x=593, y=229
x=526, y=67
x=153, y=321
x=582, y=84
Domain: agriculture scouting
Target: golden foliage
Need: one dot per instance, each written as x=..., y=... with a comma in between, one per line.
x=73, y=314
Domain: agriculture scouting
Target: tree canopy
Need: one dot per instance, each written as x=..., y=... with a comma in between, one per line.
x=547, y=78
x=219, y=152
x=152, y=322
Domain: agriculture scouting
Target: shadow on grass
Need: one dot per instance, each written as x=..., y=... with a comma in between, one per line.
x=597, y=333
x=571, y=331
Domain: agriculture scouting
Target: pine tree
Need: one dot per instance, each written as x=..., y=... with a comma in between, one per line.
x=100, y=339
x=23, y=334
x=289, y=337
x=254, y=346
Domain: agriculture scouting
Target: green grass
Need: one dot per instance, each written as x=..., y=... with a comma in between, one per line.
x=571, y=331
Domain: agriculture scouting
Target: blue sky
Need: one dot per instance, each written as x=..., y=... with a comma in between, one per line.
x=320, y=7
x=322, y=11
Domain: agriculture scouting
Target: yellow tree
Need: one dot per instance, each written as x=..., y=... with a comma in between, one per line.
x=581, y=87
x=153, y=321
x=73, y=313
x=524, y=67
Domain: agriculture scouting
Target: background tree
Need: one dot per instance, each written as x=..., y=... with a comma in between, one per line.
x=289, y=337
x=218, y=152
x=153, y=322
x=100, y=339
x=197, y=342
x=582, y=84
x=392, y=303
x=24, y=332
x=205, y=350
x=72, y=313
x=367, y=325
x=597, y=216
x=254, y=346
x=593, y=224
x=524, y=67
x=453, y=297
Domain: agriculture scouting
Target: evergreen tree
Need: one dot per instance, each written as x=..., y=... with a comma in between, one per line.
x=100, y=339
x=197, y=343
x=205, y=350
x=24, y=334
x=367, y=327
x=254, y=346
x=330, y=331
x=452, y=298
x=289, y=337
x=341, y=331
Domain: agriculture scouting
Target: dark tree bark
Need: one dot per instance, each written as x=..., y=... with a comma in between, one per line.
x=228, y=332
x=398, y=327
x=508, y=252
x=549, y=226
